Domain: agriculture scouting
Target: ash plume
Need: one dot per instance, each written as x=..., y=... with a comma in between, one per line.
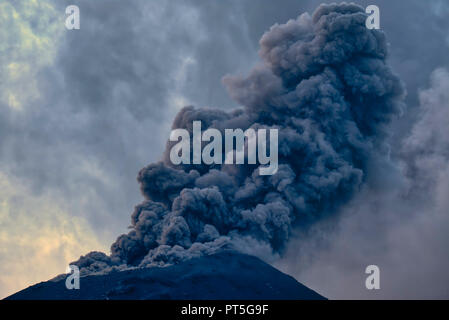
x=399, y=221
x=324, y=83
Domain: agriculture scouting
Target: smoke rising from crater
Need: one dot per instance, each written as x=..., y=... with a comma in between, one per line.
x=324, y=83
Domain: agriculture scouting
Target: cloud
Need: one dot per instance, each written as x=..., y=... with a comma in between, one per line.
x=84, y=130
x=29, y=39
x=426, y=149
x=38, y=236
x=399, y=222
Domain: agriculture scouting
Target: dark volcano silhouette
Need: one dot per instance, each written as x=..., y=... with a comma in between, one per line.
x=227, y=275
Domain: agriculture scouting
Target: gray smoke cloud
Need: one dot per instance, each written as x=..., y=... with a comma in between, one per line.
x=399, y=221
x=324, y=83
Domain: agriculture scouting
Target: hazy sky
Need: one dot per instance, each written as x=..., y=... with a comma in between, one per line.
x=82, y=111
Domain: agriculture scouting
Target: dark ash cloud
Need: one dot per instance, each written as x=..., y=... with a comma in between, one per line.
x=399, y=221
x=325, y=84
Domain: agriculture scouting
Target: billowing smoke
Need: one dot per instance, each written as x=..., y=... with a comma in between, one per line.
x=324, y=83
x=399, y=221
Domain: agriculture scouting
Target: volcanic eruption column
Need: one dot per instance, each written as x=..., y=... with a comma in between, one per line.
x=323, y=82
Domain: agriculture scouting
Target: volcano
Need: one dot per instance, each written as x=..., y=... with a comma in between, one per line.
x=227, y=275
